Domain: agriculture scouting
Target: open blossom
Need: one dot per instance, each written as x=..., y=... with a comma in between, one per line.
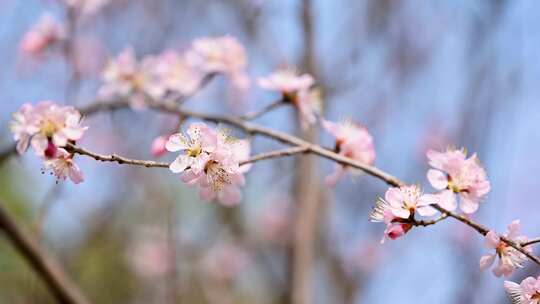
x=457, y=174
x=296, y=89
x=509, y=257
x=353, y=141
x=220, y=55
x=46, y=33
x=46, y=126
x=124, y=77
x=398, y=208
x=211, y=161
x=178, y=74
x=197, y=146
x=528, y=292
x=62, y=166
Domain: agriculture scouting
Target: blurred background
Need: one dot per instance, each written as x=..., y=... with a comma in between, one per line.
x=418, y=74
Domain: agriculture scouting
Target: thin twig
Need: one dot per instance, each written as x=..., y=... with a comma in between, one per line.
x=118, y=159
x=530, y=242
x=46, y=268
x=270, y=107
x=275, y=154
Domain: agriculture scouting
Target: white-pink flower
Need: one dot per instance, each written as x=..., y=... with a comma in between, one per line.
x=124, y=77
x=528, y=292
x=352, y=141
x=46, y=126
x=220, y=55
x=178, y=74
x=46, y=33
x=509, y=257
x=398, y=208
x=63, y=166
x=197, y=146
x=212, y=162
x=457, y=174
x=296, y=89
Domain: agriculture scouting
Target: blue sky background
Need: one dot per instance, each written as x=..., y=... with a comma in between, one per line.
x=411, y=71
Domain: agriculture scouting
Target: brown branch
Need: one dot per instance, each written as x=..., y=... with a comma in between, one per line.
x=268, y=108
x=117, y=159
x=46, y=268
x=283, y=137
x=276, y=154
x=530, y=242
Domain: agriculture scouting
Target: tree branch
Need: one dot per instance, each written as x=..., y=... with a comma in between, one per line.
x=270, y=107
x=46, y=268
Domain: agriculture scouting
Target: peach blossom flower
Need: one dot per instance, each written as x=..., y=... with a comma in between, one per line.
x=46, y=124
x=528, y=292
x=509, y=257
x=220, y=55
x=46, y=33
x=158, y=147
x=398, y=208
x=211, y=162
x=353, y=141
x=63, y=166
x=296, y=89
x=124, y=77
x=178, y=74
x=455, y=173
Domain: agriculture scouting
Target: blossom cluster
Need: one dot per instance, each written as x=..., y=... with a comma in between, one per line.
x=48, y=128
x=211, y=159
x=171, y=74
x=528, y=292
x=453, y=174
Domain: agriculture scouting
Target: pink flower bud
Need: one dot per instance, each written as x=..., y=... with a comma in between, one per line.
x=158, y=145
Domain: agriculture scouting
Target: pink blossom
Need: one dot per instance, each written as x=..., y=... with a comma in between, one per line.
x=45, y=124
x=509, y=257
x=178, y=74
x=197, y=145
x=296, y=89
x=46, y=33
x=460, y=175
x=211, y=162
x=528, y=292
x=220, y=55
x=398, y=208
x=124, y=77
x=62, y=166
x=287, y=82
x=352, y=141
x=159, y=145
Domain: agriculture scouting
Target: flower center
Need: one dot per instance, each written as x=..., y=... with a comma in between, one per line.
x=48, y=128
x=217, y=176
x=194, y=151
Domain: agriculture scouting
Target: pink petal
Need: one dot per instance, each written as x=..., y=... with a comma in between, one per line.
x=468, y=206
x=75, y=174
x=332, y=179
x=180, y=164
x=426, y=211
x=447, y=200
x=437, y=179
x=230, y=196
x=394, y=196
x=39, y=144
x=176, y=142
x=486, y=261
x=492, y=240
